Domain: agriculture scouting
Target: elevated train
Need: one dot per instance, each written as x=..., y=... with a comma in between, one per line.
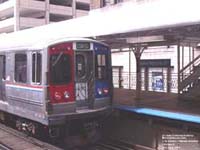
x=51, y=82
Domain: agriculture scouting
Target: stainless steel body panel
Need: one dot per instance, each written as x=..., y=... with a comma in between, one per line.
x=25, y=100
x=57, y=119
x=64, y=108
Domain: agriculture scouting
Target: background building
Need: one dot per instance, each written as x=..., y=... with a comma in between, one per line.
x=21, y=14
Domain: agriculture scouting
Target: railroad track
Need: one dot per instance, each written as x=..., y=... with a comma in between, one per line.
x=108, y=144
x=117, y=145
x=4, y=147
x=9, y=138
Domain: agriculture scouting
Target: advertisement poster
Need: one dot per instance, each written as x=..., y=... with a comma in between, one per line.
x=157, y=81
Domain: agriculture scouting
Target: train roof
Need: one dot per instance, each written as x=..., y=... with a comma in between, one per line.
x=38, y=45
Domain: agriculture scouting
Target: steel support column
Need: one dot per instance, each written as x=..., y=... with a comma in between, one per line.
x=178, y=66
x=193, y=49
x=190, y=56
x=129, y=71
x=138, y=76
x=168, y=79
x=120, y=77
x=138, y=50
x=182, y=57
x=146, y=78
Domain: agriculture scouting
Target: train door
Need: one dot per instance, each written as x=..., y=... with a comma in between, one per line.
x=2, y=76
x=84, y=79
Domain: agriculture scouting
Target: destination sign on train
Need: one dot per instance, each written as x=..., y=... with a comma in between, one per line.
x=83, y=45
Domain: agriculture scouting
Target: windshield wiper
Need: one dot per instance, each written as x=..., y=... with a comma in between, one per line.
x=58, y=58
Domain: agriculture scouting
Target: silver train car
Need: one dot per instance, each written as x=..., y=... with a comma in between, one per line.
x=51, y=82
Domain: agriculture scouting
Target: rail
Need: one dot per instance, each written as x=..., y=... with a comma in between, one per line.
x=4, y=147
x=111, y=144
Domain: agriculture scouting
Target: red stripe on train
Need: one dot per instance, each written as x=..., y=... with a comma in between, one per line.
x=24, y=85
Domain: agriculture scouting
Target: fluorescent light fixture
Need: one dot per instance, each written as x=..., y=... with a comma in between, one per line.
x=144, y=39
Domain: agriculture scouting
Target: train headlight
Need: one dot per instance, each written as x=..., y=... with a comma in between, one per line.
x=66, y=94
x=105, y=90
x=58, y=96
x=100, y=91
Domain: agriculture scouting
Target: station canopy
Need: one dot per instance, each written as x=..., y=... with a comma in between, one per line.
x=119, y=23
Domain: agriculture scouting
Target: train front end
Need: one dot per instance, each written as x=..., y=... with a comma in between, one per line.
x=79, y=81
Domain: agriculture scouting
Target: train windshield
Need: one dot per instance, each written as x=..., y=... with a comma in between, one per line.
x=101, y=71
x=60, y=69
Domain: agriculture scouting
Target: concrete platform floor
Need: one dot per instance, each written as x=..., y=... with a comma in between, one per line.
x=159, y=100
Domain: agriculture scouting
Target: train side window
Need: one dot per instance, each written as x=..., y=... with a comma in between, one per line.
x=21, y=68
x=3, y=61
x=36, y=67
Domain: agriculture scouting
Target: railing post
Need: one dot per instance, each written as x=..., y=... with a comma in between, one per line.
x=120, y=77
x=168, y=80
x=146, y=78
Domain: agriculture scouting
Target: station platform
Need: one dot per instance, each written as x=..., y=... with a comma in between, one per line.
x=157, y=104
x=11, y=139
x=162, y=114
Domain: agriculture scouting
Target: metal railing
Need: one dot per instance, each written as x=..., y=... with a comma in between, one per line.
x=128, y=81
x=189, y=75
x=189, y=69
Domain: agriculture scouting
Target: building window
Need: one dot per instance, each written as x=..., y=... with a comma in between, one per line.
x=109, y=2
x=118, y=1
x=2, y=1
x=36, y=67
x=103, y=3
x=21, y=68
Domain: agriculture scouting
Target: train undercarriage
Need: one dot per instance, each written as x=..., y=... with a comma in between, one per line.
x=74, y=132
